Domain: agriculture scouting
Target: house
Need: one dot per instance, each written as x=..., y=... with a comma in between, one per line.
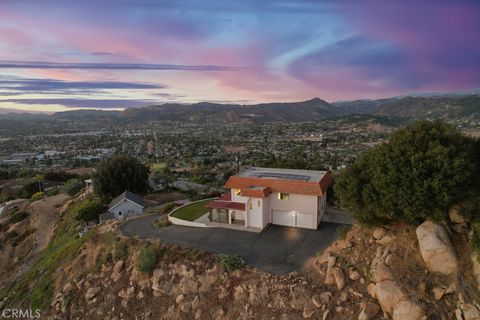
x=126, y=205
x=259, y=196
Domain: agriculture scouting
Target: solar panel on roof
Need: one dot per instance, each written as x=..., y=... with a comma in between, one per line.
x=286, y=176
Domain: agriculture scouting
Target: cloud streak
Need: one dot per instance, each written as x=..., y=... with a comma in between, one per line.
x=52, y=85
x=114, y=66
x=86, y=103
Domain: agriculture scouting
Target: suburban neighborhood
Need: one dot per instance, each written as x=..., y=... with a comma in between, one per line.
x=239, y=160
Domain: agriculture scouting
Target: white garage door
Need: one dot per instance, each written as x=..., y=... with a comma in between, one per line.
x=291, y=219
x=305, y=220
x=283, y=218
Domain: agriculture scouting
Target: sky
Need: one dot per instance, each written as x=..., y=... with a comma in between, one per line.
x=113, y=54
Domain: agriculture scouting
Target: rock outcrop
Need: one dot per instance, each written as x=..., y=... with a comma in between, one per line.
x=389, y=293
x=436, y=248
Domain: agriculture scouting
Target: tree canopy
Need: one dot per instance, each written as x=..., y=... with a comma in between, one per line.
x=120, y=173
x=420, y=173
x=89, y=210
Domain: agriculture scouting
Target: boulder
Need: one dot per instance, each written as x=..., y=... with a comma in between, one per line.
x=436, y=249
x=368, y=311
x=476, y=267
x=371, y=290
x=317, y=301
x=180, y=299
x=308, y=310
x=438, y=293
x=470, y=312
x=389, y=295
x=329, y=278
x=339, y=278
x=354, y=275
x=123, y=294
x=195, y=303
x=91, y=293
x=455, y=215
x=407, y=310
x=118, y=266
x=67, y=287
x=379, y=233
x=390, y=259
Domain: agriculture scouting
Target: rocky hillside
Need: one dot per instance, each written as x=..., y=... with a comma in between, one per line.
x=398, y=272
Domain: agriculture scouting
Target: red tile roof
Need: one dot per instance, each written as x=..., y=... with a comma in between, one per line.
x=281, y=185
x=256, y=193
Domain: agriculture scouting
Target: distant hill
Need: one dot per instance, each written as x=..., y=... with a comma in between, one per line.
x=448, y=108
x=454, y=108
x=310, y=110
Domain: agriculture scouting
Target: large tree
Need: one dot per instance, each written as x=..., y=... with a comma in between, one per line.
x=423, y=170
x=120, y=173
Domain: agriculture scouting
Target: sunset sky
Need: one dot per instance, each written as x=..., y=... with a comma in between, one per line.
x=105, y=54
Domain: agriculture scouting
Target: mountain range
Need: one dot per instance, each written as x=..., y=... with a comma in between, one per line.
x=450, y=108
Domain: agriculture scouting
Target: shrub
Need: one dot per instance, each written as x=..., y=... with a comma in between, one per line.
x=476, y=238
x=37, y=196
x=231, y=262
x=342, y=231
x=89, y=210
x=147, y=259
x=73, y=187
x=162, y=222
x=423, y=170
x=17, y=217
x=120, y=251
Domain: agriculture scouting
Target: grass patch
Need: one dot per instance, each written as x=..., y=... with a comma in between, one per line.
x=147, y=259
x=157, y=167
x=162, y=222
x=120, y=251
x=342, y=231
x=191, y=211
x=35, y=286
x=476, y=238
x=17, y=217
x=231, y=262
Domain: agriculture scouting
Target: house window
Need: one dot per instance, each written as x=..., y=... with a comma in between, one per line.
x=283, y=196
x=237, y=191
x=120, y=213
x=258, y=203
x=250, y=206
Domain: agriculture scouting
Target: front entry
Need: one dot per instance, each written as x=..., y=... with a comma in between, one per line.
x=219, y=215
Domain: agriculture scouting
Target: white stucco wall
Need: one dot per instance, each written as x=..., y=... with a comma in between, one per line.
x=295, y=202
x=322, y=206
x=128, y=209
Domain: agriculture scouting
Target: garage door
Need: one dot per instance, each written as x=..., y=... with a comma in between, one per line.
x=290, y=219
x=283, y=218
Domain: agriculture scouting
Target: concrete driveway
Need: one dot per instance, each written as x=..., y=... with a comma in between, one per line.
x=277, y=250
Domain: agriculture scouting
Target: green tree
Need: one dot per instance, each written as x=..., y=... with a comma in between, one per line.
x=120, y=173
x=73, y=186
x=89, y=210
x=423, y=170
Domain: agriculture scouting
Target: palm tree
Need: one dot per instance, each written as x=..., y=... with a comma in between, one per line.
x=39, y=178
